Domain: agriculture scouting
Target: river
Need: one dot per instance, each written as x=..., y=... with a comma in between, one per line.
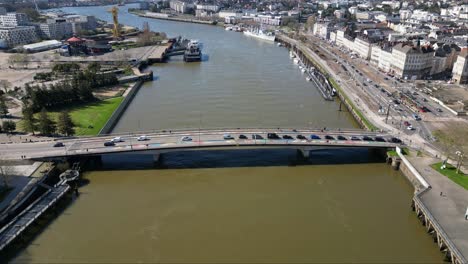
x=234, y=206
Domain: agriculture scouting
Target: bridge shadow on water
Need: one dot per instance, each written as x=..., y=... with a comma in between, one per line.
x=240, y=158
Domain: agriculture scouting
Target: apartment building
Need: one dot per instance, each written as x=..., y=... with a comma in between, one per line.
x=14, y=20
x=55, y=30
x=460, y=68
x=411, y=62
x=14, y=36
x=179, y=6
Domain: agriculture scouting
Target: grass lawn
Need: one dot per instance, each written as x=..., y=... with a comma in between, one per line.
x=89, y=118
x=451, y=172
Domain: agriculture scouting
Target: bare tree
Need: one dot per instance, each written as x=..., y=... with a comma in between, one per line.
x=5, y=85
x=6, y=172
x=454, y=143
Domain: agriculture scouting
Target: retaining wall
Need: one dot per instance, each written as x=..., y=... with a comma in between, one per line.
x=110, y=124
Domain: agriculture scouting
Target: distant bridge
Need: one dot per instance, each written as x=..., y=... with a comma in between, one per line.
x=170, y=141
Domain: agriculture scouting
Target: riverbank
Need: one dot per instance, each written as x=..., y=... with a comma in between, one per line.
x=162, y=16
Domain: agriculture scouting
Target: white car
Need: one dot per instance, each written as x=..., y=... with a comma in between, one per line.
x=410, y=128
x=142, y=138
x=228, y=136
x=117, y=139
x=186, y=139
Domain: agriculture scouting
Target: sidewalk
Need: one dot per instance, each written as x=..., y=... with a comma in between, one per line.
x=448, y=209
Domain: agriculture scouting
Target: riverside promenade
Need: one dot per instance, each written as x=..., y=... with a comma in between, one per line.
x=446, y=210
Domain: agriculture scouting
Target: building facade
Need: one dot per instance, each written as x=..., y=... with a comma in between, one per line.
x=460, y=68
x=14, y=20
x=14, y=36
x=411, y=62
x=55, y=30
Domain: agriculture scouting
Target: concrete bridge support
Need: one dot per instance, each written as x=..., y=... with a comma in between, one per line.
x=304, y=152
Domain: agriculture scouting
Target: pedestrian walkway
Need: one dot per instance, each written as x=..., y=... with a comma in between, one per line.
x=447, y=202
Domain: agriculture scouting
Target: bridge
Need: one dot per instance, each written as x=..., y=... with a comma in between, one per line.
x=164, y=141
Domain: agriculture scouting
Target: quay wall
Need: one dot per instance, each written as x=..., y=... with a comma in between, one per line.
x=178, y=19
x=110, y=124
x=317, y=62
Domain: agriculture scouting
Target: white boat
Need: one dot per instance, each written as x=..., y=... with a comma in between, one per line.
x=296, y=60
x=292, y=55
x=308, y=79
x=279, y=44
x=260, y=34
x=228, y=28
x=303, y=70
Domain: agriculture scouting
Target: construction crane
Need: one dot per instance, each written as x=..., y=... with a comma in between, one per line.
x=115, y=17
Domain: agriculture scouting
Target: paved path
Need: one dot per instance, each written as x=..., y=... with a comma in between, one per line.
x=448, y=209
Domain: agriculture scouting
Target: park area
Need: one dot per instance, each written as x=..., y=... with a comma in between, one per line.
x=450, y=171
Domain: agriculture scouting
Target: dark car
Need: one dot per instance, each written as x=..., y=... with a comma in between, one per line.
x=366, y=138
x=242, y=137
x=109, y=143
x=300, y=137
x=395, y=140
x=329, y=137
x=273, y=136
x=314, y=137
x=257, y=136
x=58, y=144
x=287, y=137
x=382, y=90
x=355, y=138
x=341, y=138
x=379, y=139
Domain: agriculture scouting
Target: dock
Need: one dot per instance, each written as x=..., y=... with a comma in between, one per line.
x=28, y=216
x=157, y=53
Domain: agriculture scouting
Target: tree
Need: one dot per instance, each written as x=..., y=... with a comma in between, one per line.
x=454, y=143
x=5, y=85
x=94, y=67
x=8, y=126
x=29, y=122
x=3, y=106
x=45, y=125
x=310, y=22
x=65, y=124
x=5, y=174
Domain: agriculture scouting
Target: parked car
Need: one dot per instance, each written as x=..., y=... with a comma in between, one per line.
x=341, y=138
x=257, y=136
x=242, y=137
x=287, y=137
x=273, y=136
x=109, y=144
x=314, y=137
x=227, y=136
x=416, y=117
x=143, y=138
x=301, y=137
x=58, y=145
x=395, y=140
x=186, y=139
x=406, y=123
x=355, y=138
x=366, y=138
x=329, y=137
x=439, y=110
x=410, y=128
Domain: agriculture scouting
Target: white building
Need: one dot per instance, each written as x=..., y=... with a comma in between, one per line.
x=230, y=13
x=44, y=45
x=82, y=22
x=353, y=10
x=322, y=29
x=411, y=62
x=179, y=6
x=405, y=14
x=14, y=36
x=14, y=20
x=268, y=20
x=362, y=47
x=55, y=30
x=214, y=8
x=460, y=68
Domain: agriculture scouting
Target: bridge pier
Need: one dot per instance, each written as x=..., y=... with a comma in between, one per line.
x=156, y=158
x=304, y=152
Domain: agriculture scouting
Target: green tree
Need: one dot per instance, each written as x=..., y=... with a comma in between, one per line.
x=29, y=122
x=94, y=67
x=3, y=106
x=45, y=125
x=65, y=124
x=8, y=126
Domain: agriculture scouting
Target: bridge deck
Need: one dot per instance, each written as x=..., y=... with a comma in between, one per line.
x=167, y=141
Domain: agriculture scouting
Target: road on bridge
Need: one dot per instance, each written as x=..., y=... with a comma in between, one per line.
x=166, y=141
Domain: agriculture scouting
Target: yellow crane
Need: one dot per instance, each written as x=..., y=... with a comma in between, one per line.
x=115, y=17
